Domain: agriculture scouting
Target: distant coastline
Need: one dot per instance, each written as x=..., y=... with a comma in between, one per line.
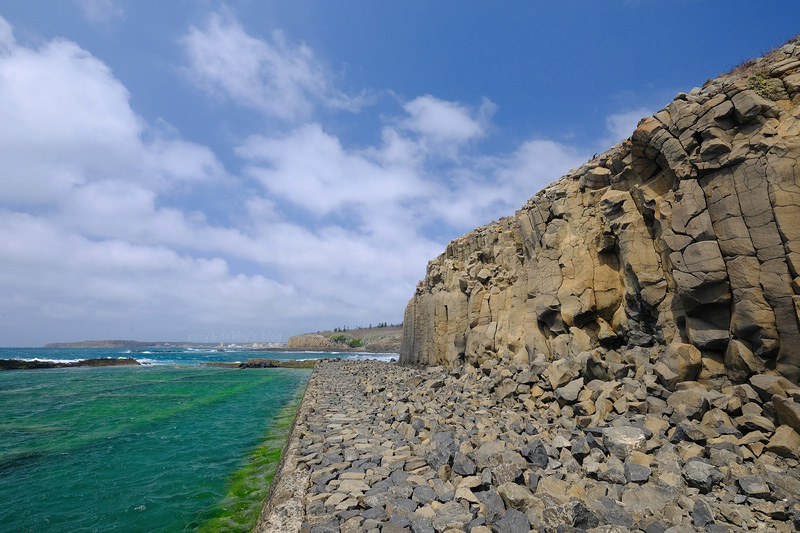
x=380, y=339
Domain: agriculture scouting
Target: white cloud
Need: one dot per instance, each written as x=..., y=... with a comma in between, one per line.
x=444, y=122
x=621, y=125
x=100, y=10
x=67, y=120
x=274, y=77
x=312, y=170
x=326, y=233
x=68, y=279
x=6, y=36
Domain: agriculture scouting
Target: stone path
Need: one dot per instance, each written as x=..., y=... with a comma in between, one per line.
x=546, y=447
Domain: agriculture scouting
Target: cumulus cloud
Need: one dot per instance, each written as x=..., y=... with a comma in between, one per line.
x=67, y=120
x=67, y=280
x=325, y=233
x=275, y=77
x=311, y=169
x=444, y=122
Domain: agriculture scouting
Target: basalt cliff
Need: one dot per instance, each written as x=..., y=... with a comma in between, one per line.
x=683, y=239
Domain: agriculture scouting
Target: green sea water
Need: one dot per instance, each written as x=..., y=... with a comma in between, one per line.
x=151, y=448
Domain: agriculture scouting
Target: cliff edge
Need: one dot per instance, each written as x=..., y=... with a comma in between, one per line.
x=683, y=239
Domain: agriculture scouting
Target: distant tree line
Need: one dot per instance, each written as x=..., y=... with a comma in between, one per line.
x=380, y=325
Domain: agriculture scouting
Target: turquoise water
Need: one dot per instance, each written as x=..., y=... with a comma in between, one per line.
x=158, y=447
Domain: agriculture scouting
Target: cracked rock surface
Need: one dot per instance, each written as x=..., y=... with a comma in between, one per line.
x=683, y=237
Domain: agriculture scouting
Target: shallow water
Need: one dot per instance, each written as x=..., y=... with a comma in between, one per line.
x=150, y=448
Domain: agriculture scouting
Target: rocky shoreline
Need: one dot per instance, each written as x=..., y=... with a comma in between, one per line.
x=267, y=363
x=19, y=364
x=570, y=445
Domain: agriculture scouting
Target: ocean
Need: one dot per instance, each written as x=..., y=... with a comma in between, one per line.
x=167, y=446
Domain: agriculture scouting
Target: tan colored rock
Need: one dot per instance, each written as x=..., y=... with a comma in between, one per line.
x=788, y=412
x=684, y=235
x=785, y=441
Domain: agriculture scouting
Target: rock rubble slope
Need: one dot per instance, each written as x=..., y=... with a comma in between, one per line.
x=684, y=238
x=545, y=447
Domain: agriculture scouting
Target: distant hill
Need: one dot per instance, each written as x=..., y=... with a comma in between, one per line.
x=104, y=344
x=385, y=339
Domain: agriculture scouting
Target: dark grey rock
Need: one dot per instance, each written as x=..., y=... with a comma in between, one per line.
x=438, y=458
x=569, y=393
x=463, y=465
x=403, y=505
x=536, y=454
x=422, y=525
x=580, y=449
x=480, y=521
x=687, y=432
x=513, y=521
x=423, y=494
x=754, y=486
x=613, y=475
x=494, y=504
x=702, y=514
x=329, y=526
x=402, y=521
x=636, y=473
x=655, y=527
x=317, y=507
x=374, y=513
x=701, y=475
x=612, y=513
x=395, y=527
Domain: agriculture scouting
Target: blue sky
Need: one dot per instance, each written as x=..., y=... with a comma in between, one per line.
x=250, y=170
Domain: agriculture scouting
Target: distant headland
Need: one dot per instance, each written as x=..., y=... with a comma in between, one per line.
x=383, y=338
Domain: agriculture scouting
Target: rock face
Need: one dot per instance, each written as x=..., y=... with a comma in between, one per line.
x=684, y=239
